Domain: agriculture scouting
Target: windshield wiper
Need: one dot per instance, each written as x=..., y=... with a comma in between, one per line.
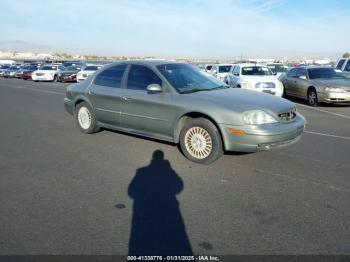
x=192, y=90
x=204, y=89
x=219, y=87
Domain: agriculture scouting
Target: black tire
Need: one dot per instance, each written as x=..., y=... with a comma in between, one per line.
x=284, y=94
x=312, y=99
x=93, y=127
x=216, y=142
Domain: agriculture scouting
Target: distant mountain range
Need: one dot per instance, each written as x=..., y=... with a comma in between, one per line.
x=23, y=46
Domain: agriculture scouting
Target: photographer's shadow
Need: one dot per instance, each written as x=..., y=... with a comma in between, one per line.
x=157, y=224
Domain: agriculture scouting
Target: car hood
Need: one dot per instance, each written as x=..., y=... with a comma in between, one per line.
x=240, y=100
x=45, y=71
x=258, y=79
x=333, y=82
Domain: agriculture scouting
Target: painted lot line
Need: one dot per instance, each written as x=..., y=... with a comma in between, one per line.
x=324, y=111
x=37, y=89
x=329, y=135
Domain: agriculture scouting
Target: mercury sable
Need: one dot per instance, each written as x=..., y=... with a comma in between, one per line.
x=179, y=103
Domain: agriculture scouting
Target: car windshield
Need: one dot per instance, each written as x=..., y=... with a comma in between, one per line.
x=49, y=68
x=92, y=68
x=256, y=71
x=325, y=73
x=188, y=79
x=224, y=69
x=278, y=68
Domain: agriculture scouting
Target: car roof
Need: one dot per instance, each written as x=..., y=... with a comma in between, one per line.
x=313, y=67
x=146, y=62
x=251, y=64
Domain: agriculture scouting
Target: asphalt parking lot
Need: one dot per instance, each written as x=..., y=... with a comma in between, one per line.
x=64, y=192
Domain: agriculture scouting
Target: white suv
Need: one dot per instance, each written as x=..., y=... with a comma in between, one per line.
x=343, y=64
x=255, y=77
x=220, y=71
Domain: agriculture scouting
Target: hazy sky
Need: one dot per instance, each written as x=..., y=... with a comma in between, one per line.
x=195, y=28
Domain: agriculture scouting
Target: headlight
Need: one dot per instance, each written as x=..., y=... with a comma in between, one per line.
x=258, y=117
x=246, y=85
x=280, y=85
x=334, y=89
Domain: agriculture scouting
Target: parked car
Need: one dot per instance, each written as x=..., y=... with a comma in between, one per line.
x=47, y=72
x=220, y=71
x=178, y=103
x=69, y=74
x=255, y=77
x=3, y=69
x=89, y=70
x=278, y=69
x=317, y=84
x=11, y=71
x=343, y=64
x=27, y=71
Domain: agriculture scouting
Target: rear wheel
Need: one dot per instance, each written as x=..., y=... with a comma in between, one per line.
x=312, y=99
x=86, y=119
x=200, y=141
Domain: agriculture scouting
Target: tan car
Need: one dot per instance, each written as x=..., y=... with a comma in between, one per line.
x=317, y=85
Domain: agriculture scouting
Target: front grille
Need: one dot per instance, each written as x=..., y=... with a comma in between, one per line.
x=288, y=116
x=265, y=85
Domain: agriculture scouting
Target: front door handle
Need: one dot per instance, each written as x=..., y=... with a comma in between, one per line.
x=90, y=92
x=127, y=99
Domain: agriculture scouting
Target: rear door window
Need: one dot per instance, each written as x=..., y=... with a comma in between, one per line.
x=111, y=77
x=292, y=72
x=340, y=63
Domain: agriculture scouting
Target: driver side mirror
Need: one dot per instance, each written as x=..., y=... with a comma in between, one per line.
x=154, y=88
x=215, y=72
x=236, y=74
x=303, y=77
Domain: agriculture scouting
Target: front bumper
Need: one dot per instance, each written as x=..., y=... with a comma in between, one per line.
x=263, y=137
x=334, y=97
x=43, y=77
x=272, y=91
x=26, y=76
x=69, y=78
x=81, y=78
x=69, y=105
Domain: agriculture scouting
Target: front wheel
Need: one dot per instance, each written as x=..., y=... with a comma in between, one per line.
x=200, y=141
x=312, y=97
x=86, y=119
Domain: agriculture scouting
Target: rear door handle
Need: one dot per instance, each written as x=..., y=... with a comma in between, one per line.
x=128, y=99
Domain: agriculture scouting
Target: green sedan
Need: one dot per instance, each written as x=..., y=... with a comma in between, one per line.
x=178, y=103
